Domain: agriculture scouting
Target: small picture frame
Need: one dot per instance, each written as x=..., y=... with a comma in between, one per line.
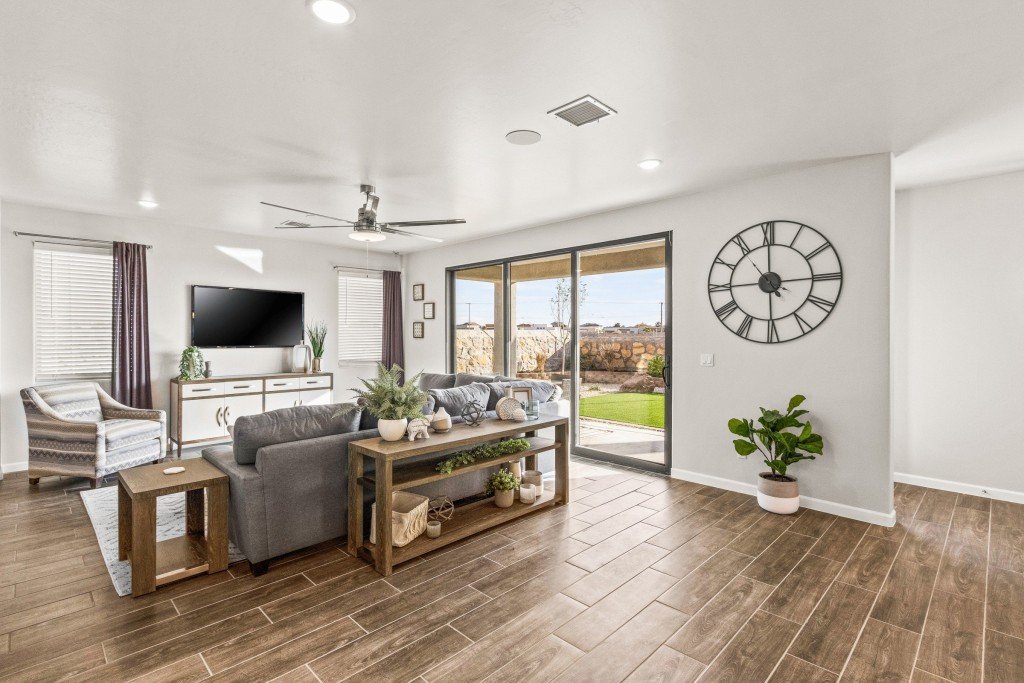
x=428, y=310
x=522, y=394
x=417, y=292
x=417, y=330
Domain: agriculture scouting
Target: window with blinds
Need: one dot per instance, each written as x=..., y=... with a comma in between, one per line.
x=360, y=317
x=71, y=309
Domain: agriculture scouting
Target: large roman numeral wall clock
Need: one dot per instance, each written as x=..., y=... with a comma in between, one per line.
x=775, y=281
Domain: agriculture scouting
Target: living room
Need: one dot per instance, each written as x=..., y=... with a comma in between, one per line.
x=707, y=337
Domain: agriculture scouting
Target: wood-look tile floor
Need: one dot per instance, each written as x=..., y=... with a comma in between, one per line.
x=640, y=578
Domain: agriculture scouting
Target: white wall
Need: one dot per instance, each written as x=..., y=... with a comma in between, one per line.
x=842, y=367
x=958, y=335
x=181, y=256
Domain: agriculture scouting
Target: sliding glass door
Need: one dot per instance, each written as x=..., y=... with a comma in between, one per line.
x=594, y=319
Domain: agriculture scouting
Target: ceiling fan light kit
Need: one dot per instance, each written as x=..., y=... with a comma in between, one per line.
x=523, y=137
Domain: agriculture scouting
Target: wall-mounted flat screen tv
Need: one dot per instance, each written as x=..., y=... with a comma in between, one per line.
x=236, y=317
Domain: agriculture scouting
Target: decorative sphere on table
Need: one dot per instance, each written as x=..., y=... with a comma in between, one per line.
x=473, y=414
x=440, y=509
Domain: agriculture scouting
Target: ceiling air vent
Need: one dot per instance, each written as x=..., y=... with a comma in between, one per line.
x=585, y=110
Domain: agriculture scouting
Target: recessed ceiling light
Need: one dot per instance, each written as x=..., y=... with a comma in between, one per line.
x=367, y=236
x=148, y=204
x=332, y=11
x=523, y=137
x=649, y=164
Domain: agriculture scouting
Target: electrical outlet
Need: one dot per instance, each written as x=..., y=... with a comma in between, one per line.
x=707, y=360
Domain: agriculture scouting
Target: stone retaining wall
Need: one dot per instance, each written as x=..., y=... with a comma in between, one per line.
x=613, y=352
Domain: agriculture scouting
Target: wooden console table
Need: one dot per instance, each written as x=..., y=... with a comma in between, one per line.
x=391, y=475
x=203, y=548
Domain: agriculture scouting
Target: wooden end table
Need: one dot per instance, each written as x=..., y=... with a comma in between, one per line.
x=392, y=473
x=203, y=548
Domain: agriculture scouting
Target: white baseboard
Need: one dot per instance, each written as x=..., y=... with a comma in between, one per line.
x=959, y=487
x=15, y=466
x=862, y=514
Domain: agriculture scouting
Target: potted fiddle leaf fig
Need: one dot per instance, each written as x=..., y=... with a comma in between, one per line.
x=781, y=439
x=391, y=401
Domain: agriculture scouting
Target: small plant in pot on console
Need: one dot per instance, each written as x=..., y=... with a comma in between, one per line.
x=391, y=401
x=772, y=438
x=317, y=333
x=503, y=485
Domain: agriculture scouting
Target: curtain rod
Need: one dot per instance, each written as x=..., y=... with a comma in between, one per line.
x=68, y=239
x=368, y=270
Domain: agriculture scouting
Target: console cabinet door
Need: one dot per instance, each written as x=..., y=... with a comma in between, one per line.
x=315, y=397
x=283, y=399
x=202, y=418
x=237, y=406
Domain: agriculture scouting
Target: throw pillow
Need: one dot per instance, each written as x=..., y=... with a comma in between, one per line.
x=434, y=380
x=455, y=399
x=542, y=391
x=464, y=378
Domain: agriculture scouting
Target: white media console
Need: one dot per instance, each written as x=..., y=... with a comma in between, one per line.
x=203, y=409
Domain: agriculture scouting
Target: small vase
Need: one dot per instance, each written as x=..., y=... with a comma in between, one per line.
x=504, y=499
x=316, y=365
x=208, y=372
x=780, y=497
x=433, y=529
x=441, y=421
x=392, y=430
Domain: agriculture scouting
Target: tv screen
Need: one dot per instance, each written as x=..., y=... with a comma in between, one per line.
x=231, y=316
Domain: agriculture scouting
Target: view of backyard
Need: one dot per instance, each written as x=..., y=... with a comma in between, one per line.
x=647, y=410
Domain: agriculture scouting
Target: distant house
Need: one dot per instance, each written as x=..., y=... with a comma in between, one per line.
x=622, y=329
x=468, y=326
x=489, y=326
x=590, y=327
x=532, y=326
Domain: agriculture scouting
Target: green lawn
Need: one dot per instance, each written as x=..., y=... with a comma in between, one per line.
x=647, y=410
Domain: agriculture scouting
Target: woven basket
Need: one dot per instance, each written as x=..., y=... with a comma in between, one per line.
x=408, y=518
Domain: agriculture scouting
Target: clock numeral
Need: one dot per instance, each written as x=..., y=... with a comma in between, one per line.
x=738, y=240
x=823, y=304
x=719, y=261
x=724, y=310
x=773, y=332
x=805, y=326
x=798, y=231
x=821, y=277
x=744, y=328
x=819, y=250
x=768, y=233
x=720, y=288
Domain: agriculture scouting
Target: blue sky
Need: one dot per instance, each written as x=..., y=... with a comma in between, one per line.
x=629, y=298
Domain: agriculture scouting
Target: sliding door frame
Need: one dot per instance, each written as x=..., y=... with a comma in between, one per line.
x=508, y=352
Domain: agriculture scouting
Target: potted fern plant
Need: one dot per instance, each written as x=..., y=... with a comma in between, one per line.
x=391, y=401
x=317, y=332
x=772, y=438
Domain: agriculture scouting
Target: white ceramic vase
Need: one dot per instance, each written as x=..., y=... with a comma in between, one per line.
x=392, y=430
x=780, y=497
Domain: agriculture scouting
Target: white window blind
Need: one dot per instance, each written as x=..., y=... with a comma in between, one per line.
x=71, y=310
x=360, y=317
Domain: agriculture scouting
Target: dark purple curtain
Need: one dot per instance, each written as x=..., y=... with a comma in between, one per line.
x=393, y=352
x=131, y=384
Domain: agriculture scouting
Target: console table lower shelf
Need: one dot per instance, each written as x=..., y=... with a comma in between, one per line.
x=467, y=520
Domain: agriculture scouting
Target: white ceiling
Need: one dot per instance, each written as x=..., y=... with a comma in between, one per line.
x=210, y=107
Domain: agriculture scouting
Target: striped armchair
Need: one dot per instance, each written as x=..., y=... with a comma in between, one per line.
x=78, y=430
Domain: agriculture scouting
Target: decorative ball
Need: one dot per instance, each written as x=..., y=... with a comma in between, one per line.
x=440, y=509
x=519, y=415
x=473, y=414
x=507, y=407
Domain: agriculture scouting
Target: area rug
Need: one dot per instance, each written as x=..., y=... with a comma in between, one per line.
x=101, y=504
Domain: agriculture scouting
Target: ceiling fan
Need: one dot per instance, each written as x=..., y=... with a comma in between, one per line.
x=365, y=228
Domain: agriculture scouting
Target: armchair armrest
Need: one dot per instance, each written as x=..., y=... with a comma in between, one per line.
x=113, y=410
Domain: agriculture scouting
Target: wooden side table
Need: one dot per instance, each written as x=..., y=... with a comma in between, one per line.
x=203, y=548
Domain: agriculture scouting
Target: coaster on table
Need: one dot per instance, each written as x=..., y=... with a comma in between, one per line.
x=174, y=470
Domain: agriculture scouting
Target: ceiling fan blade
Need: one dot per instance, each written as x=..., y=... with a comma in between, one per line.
x=407, y=234
x=409, y=224
x=308, y=213
x=304, y=227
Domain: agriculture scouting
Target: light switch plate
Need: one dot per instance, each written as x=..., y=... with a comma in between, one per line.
x=707, y=360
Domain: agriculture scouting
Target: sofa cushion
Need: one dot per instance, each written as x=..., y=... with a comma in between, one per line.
x=252, y=432
x=455, y=399
x=542, y=391
x=121, y=433
x=435, y=380
x=464, y=378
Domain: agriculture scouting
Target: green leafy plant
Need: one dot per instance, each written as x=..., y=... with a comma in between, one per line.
x=770, y=436
x=656, y=365
x=487, y=451
x=317, y=332
x=387, y=398
x=502, y=480
x=191, y=364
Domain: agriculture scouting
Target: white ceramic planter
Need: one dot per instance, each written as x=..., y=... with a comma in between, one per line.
x=392, y=430
x=504, y=499
x=780, y=497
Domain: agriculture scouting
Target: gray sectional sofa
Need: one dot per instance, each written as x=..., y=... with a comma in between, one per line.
x=288, y=469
